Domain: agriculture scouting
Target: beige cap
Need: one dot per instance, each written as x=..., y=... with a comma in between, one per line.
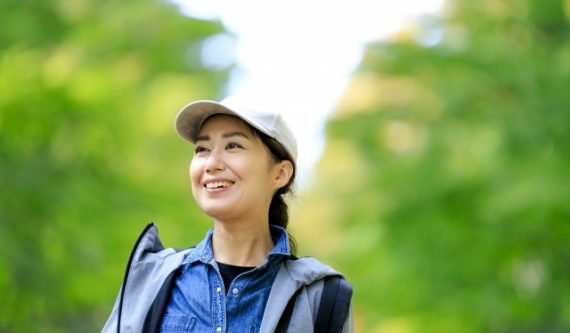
x=191, y=118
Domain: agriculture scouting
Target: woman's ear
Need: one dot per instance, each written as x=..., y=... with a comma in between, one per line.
x=284, y=172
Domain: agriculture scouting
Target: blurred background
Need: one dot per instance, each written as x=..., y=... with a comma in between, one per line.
x=441, y=189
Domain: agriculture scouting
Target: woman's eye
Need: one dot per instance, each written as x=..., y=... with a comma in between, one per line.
x=199, y=149
x=233, y=145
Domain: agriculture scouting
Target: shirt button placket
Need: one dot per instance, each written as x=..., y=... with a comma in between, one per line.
x=219, y=297
x=221, y=308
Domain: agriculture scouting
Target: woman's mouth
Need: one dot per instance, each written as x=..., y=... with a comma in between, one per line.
x=218, y=184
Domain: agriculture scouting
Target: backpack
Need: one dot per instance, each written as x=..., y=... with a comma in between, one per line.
x=333, y=309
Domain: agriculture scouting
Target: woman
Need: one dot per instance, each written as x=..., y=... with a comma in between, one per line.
x=243, y=277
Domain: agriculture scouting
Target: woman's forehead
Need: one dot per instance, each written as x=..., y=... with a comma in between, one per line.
x=224, y=122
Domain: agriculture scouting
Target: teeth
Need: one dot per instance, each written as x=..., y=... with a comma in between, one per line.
x=218, y=184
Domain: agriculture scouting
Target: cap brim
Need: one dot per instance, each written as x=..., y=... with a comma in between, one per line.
x=191, y=117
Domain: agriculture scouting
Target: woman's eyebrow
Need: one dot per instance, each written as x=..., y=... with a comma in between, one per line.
x=235, y=133
x=225, y=135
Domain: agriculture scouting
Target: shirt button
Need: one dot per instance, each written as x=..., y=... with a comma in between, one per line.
x=218, y=290
x=235, y=291
x=219, y=329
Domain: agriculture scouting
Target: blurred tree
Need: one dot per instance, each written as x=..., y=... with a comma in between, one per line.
x=88, y=94
x=446, y=174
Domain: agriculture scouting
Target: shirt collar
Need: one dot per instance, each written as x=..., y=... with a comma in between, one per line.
x=281, y=241
x=204, y=252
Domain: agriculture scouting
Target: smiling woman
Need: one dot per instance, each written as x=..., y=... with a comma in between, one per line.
x=244, y=275
x=228, y=182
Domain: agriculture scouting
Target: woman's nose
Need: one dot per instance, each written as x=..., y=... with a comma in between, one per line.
x=214, y=162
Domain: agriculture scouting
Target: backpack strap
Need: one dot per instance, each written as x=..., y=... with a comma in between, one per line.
x=333, y=308
x=283, y=324
x=335, y=304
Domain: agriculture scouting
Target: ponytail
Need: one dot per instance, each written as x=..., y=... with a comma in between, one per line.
x=278, y=209
x=279, y=214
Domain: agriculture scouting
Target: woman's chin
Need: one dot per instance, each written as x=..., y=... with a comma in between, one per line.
x=218, y=213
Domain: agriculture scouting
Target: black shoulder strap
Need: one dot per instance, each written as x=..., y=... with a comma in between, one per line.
x=335, y=304
x=333, y=309
x=283, y=324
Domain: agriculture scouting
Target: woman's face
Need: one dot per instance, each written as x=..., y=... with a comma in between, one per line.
x=231, y=173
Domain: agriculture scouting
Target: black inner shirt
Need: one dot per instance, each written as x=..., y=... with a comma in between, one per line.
x=230, y=272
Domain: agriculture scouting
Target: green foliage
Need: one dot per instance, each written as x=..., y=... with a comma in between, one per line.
x=88, y=154
x=465, y=147
x=445, y=178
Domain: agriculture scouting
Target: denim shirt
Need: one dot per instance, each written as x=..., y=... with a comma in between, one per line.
x=199, y=303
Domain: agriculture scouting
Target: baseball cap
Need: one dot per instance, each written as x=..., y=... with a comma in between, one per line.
x=192, y=116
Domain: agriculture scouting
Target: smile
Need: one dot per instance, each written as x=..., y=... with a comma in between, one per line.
x=218, y=184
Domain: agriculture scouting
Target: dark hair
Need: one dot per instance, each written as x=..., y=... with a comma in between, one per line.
x=278, y=209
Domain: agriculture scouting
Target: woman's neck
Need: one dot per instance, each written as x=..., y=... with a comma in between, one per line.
x=241, y=244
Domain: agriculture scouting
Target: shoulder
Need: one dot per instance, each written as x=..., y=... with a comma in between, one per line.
x=151, y=263
x=305, y=273
x=301, y=280
x=149, y=249
x=316, y=277
x=148, y=267
x=307, y=270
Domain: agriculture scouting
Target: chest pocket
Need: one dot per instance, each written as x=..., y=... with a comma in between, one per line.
x=177, y=323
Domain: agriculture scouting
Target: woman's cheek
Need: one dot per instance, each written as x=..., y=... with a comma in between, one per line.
x=194, y=173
